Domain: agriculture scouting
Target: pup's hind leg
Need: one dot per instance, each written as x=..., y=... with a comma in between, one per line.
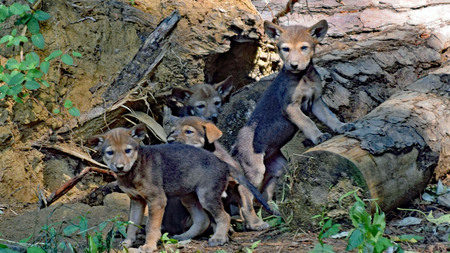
x=137, y=206
x=274, y=169
x=252, y=221
x=210, y=199
x=199, y=217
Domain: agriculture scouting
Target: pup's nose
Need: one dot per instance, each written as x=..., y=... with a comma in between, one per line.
x=213, y=118
x=119, y=167
x=294, y=65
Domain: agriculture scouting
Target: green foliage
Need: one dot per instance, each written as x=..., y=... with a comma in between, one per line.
x=327, y=229
x=167, y=241
x=253, y=246
x=19, y=78
x=368, y=232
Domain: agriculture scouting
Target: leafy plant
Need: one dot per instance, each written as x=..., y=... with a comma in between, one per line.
x=253, y=246
x=166, y=241
x=21, y=75
x=327, y=229
x=368, y=232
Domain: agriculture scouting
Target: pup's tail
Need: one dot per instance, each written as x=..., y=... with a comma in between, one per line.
x=241, y=179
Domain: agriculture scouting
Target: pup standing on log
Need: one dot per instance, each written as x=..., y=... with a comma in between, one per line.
x=150, y=174
x=281, y=111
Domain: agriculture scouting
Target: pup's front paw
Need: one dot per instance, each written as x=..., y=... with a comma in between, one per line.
x=346, y=128
x=322, y=138
x=147, y=248
x=258, y=226
x=217, y=241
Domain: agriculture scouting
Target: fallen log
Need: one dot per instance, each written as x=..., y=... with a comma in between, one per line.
x=390, y=156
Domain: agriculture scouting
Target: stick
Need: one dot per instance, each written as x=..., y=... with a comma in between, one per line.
x=69, y=185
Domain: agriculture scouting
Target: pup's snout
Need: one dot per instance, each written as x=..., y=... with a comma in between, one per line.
x=119, y=167
x=294, y=65
x=170, y=139
x=213, y=118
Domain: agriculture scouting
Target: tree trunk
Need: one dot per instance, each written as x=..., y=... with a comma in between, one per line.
x=390, y=156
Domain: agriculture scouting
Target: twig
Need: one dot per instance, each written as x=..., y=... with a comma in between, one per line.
x=69, y=185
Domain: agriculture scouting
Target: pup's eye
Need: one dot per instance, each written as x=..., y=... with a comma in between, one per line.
x=128, y=150
x=188, y=132
x=285, y=49
x=217, y=103
x=110, y=153
x=304, y=48
x=200, y=106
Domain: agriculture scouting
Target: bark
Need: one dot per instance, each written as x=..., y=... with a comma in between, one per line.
x=390, y=156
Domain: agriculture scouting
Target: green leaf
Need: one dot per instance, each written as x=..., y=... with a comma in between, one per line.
x=23, y=20
x=382, y=244
x=355, y=240
x=102, y=225
x=68, y=104
x=17, y=9
x=411, y=238
x=319, y=248
x=14, y=90
x=35, y=250
x=41, y=15
x=332, y=231
x=17, y=78
x=56, y=111
x=45, y=66
x=4, y=13
x=31, y=1
x=18, y=99
x=23, y=39
x=92, y=245
x=53, y=55
x=14, y=32
x=74, y=112
x=12, y=64
x=6, y=38
x=38, y=40
x=32, y=85
x=45, y=83
x=34, y=73
x=25, y=240
x=4, y=88
x=76, y=54
x=16, y=41
x=33, y=25
x=67, y=59
x=71, y=228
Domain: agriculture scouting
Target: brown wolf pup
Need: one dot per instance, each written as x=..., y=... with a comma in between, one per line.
x=281, y=110
x=202, y=133
x=150, y=174
x=203, y=100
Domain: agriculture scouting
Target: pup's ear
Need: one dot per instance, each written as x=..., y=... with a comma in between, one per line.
x=225, y=87
x=169, y=120
x=272, y=30
x=212, y=132
x=319, y=30
x=139, y=131
x=181, y=94
x=96, y=141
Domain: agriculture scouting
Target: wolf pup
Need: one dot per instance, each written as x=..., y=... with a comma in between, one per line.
x=202, y=133
x=150, y=174
x=281, y=110
x=203, y=100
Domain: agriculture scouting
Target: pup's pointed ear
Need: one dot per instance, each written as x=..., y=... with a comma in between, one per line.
x=225, y=87
x=272, y=30
x=319, y=30
x=212, y=132
x=96, y=141
x=139, y=131
x=181, y=94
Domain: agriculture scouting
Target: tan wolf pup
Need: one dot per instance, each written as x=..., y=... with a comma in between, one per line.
x=151, y=174
x=280, y=112
x=202, y=133
x=203, y=100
